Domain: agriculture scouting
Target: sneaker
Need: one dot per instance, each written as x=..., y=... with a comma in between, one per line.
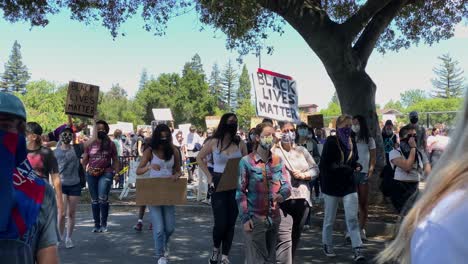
x=347, y=237
x=358, y=256
x=162, y=260
x=96, y=229
x=104, y=229
x=306, y=227
x=214, y=259
x=150, y=227
x=225, y=261
x=363, y=235
x=138, y=227
x=328, y=250
x=69, y=243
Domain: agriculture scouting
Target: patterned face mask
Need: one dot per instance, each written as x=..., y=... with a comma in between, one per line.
x=266, y=142
x=66, y=138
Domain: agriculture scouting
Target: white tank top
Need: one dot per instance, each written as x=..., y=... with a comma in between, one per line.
x=220, y=159
x=166, y=167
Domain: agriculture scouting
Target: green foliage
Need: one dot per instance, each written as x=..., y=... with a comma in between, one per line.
x=230, y=85
x=412, y=97
x=394, y=105
x=16, y=74
x=245, y=112
x=438, y=105
x=115, y=106
x=45, y=104
x=195, y=65
x=216, y=84
x=143, y=79
x=245, y=86
x=449, y=79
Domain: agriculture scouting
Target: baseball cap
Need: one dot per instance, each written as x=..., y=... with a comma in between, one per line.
x=10, y=104
x=389, y=123
x=34, y=128
x=413, y=114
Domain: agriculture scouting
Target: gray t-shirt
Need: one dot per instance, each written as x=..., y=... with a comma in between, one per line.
x=421, y=137
x=68, y=163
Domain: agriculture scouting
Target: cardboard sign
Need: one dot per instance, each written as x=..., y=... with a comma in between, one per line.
x=315, y=121
x=230, y=177
x=82, y=99
x=212, y=121
x=161, y=191
x=162, y=114
x=277, y=96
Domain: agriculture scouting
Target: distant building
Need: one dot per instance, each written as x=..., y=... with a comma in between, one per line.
x=308, y=108
x=390, y=114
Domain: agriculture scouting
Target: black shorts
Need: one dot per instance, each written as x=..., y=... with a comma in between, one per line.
x=72, y=190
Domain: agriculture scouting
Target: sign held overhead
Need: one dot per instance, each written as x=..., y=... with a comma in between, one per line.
x=277, y=96
x=162, y=114
x=82, y=99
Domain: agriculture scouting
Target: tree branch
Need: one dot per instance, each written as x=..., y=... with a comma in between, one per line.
x=371, y=34
x=358, y=21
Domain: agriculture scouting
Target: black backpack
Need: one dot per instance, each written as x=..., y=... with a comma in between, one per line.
x=79, y=152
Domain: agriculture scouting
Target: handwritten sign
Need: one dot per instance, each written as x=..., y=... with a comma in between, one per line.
x=315, y=121
x=161, y=191
x=277, y=96
x=82, y=99
x=212, y=121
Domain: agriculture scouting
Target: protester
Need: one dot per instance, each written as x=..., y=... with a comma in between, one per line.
x=251, y=138
x=139, y=143
x=390, y=142
x=69, y=164
x=337, y=167
x=162, y=160
x=306, y=138
x=28, y=214
x=409, y=163
x=102, y=166
x=301, y=169
x=193, y=145
x=141, y=212
x=434, y=230
x=223, y=146
x=43, y=161
x=321, y=136
x=436, y=144
x=367, y=157
x=258, y=202
x=421, y=138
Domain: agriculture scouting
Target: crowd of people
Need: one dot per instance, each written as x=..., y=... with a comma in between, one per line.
x=285, y=169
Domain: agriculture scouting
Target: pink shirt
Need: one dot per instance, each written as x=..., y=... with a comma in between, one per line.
x=101, y=159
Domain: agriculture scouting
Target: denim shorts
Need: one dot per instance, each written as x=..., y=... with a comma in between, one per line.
x=72, y=190
x=361, y=178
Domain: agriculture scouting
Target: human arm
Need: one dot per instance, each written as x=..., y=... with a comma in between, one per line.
x=205, y=151
x=315, y=152
x=139, y=147
x=243, y=148
x=93, y=137
x=400, y=161
x=53, y=171
x=48, y=236
x=115, y=160
x=144, y=165
x=285, y=189
x=242, y=191
x=312, y=168
x=372, y=156
x=48, y=255
x=176, y=169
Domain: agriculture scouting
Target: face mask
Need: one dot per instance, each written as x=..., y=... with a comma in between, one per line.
x=266, y=142
x=288, y=137
x=232, y=128
x=303, y=132
x=389, y=132
x=356, y=128
x=164, y=140
x=66, y=138
x=101, y=135
x=414, y=120
x=252, y=137
x=209, y=135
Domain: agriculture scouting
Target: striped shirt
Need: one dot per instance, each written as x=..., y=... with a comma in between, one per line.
x=258, y=182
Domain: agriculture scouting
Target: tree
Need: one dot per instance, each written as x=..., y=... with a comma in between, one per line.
x=411, y=97
x=394, y=105
x=216, y=84
x=439, y=105
x=115, y=106
x=16, y=74
x=143, y=78
x=245, y=87
x=195, y=65
x=335, y=98
x=229, y=91
x=449, y=80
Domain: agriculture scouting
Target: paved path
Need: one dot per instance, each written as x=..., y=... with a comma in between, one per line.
x=191, y=242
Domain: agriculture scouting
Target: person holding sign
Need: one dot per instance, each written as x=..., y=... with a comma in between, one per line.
x=101, y=164
x=338, y=165
x=262, y=184
x=224, y=145
x=301, y=169
x=162, y=160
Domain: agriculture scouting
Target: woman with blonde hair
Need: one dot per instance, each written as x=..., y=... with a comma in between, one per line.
x=435, y=229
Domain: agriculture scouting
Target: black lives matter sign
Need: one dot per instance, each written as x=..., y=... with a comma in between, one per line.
x=82, y=99
x=276, y=96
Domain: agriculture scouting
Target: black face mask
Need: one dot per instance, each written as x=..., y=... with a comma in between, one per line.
x=101, y=135
x=164, y=140
x=414, y=120
x=232, y=128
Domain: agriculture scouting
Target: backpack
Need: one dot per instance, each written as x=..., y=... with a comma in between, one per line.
x=79, y=152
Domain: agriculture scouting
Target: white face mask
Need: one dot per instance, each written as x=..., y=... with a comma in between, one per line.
x=356, y=128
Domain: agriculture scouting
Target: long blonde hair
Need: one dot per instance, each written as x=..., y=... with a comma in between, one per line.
x=449, y=175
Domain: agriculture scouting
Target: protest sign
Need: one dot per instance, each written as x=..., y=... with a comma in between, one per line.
x=212, y=121
x=161, y=191
x=254, y=121
x=315, y=121
x=82, y=99
x=230, y=177
x=125, y=127
x=162, y=114
x=276, y=96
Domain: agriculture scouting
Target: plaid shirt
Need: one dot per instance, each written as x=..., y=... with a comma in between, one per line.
x=258, y=182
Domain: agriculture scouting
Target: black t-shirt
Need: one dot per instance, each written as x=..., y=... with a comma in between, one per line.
x=43, y=162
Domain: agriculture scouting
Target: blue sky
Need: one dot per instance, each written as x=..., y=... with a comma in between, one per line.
x=68, y=50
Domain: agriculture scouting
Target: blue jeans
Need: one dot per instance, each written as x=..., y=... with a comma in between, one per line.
x=99, y=188
x=350, y=204
x=163, y=220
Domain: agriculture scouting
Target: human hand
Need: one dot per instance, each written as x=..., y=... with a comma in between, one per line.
x=277, y=198
x=155, y=167
x=175, y=177
x=117, y=177
x=297, y=175
x=248, y=226
x=412, y=142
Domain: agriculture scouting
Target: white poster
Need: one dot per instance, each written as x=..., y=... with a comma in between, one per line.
x=276, y=96
x=162, y=114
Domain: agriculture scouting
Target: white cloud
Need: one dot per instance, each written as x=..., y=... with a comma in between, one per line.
x=461, y=31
